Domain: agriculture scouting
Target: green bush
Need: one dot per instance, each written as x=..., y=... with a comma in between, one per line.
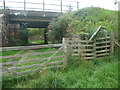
x=58, y=27
x=85, y=20
x=35, y=31
x=15, y=42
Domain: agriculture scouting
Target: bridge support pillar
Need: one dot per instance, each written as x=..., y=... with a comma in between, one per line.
x=9, y=32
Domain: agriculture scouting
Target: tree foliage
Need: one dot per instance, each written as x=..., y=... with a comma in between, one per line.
x=85, y=20
x=59, y=25
x=35, y=31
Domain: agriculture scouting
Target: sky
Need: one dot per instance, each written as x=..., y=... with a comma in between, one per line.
x=107, y=4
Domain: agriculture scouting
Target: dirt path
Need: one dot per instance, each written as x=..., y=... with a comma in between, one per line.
x=35, y=42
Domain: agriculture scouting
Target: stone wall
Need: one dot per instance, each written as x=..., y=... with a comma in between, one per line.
x=10, y=32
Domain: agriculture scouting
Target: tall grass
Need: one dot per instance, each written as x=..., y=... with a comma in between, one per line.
x=98, y=73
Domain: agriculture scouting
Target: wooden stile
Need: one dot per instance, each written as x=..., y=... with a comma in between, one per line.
x=90, y=48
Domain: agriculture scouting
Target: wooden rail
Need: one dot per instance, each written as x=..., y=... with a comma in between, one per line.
x=31, y=60
x=29, y=71
x=35, y=65
x=32, y=54
x=89, y=49
x=29, y=47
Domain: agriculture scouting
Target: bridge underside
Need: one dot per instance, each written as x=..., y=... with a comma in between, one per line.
x=32, y=24
x=31, y=21
x=37, y=25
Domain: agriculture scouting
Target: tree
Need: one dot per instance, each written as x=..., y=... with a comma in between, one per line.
x=59, y=26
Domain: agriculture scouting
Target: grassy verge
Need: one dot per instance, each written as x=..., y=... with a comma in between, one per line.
x=98, y=73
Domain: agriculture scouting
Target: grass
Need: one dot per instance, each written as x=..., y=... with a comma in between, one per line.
x=98, y=73
x=36, y=41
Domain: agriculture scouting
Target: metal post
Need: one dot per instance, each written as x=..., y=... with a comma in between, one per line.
x=77, y=5
x=61, y=6
x=4, y=4
x=24, y=4
x=43, y=5
x=70, y=7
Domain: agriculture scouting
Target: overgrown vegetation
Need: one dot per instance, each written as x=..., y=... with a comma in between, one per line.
x=98, y=73
x=22, y=39
x=35, y=31
x=85, y=20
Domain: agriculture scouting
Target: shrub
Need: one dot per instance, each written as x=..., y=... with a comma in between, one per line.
x=85, y=20
x=24, y=36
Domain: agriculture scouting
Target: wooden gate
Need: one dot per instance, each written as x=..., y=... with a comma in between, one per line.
x=29, y=62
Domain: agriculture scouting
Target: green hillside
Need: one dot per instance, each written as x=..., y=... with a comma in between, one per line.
x=91, y=18
x=84, y=20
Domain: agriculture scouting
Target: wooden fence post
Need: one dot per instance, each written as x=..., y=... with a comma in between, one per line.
x=94, y=48
x=79, y=50
x=64, y=41
x=112, y=43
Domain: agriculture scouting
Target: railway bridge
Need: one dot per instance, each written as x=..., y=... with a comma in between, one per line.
x=15, y=15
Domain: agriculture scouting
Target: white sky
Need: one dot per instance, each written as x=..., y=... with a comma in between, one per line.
x=107, y=4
